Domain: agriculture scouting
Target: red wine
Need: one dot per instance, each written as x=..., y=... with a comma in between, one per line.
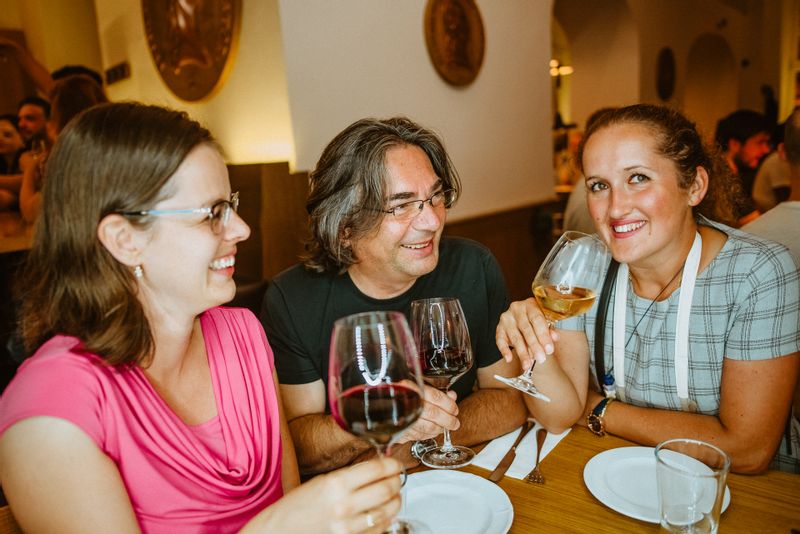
x=379, y=412
x=440, y=368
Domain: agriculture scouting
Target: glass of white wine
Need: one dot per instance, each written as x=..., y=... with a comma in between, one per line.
x=566, y=285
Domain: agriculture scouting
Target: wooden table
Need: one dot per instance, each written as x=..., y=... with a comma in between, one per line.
x=764, y=503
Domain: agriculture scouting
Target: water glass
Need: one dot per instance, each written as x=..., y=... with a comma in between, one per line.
x=691, y=485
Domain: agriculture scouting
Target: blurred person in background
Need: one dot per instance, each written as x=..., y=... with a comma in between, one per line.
x=70, y=96
x=772, y=183
x=743, y=137
x=10, y=150
x=33, y=113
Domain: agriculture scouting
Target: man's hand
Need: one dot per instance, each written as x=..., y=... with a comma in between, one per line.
x=439, y=411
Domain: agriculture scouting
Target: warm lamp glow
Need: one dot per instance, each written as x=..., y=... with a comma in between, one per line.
x=557, y=69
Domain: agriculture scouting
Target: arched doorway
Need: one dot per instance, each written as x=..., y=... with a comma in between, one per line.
x=711, y=84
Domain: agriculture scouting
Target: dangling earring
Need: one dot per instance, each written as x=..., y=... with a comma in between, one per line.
x=138, y=272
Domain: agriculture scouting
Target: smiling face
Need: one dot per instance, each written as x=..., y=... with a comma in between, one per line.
x=398, y=252
x=10, y=140
x=634, y=198
x=189, y=268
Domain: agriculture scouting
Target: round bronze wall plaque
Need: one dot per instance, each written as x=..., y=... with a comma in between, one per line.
x=192, y=42
x=454, y=36
x=665, y=73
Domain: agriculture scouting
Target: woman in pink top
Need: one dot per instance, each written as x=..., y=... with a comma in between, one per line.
x=146, y=406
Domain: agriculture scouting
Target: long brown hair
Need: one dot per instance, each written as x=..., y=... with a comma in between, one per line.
x=677, y=139
x=110, y=158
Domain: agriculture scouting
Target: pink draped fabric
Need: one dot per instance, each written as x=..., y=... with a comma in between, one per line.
x=211, y=477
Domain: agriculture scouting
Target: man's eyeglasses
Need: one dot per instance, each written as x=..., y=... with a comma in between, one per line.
x=219, y=214
x=408, y=210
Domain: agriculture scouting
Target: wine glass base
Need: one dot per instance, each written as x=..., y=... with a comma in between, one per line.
x=523, y=384
x=452, y=458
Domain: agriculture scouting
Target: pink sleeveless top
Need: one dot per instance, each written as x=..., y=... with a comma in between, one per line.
x=212, y=477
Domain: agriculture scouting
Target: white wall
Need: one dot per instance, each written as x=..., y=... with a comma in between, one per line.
x=249, y=115
x=677, y=24
x=604, y=43
x=57, y=33
x=348, y=60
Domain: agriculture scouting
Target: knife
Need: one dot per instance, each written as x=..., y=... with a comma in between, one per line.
x=508, y=459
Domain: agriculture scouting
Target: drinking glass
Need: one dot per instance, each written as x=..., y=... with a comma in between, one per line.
x=691, y=478
x=566, y=285
x=374, y=387
x=445, y=353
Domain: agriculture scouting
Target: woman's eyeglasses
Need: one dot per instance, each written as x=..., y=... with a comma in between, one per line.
x=218, y=215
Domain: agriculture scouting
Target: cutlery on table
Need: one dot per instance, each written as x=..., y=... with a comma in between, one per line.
x=536, y=476
x=508, y=459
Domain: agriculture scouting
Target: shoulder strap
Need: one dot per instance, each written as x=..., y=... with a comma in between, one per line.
x=600, y=322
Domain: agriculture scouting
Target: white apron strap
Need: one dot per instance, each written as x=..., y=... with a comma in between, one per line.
x=690, y=269
x=620, y=307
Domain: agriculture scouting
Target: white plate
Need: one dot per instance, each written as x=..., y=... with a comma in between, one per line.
x=624, y=479
x=457, y=502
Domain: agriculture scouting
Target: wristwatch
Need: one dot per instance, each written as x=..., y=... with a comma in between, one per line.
x=595, y=419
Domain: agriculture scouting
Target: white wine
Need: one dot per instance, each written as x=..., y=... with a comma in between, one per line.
x=557, y=305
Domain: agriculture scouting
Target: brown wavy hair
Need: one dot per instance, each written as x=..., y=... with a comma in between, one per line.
x=347, y=187
x=677, y=138
x=111, y=157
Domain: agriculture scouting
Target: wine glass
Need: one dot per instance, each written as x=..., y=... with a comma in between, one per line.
x=566, y=285
x=374, y=385
x=445, y=352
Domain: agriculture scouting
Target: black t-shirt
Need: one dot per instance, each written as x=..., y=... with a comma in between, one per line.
x=300, y=307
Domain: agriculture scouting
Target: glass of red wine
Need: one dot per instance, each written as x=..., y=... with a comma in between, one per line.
x=374, y=384
x=445, y=353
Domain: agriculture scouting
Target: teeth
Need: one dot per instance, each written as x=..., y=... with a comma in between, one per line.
x=628, y=227
x=416, y=247
x=223, y=263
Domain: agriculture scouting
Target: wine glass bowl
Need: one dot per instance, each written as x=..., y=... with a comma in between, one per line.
x=373, y=387
x=565, y=286
x=445, y=353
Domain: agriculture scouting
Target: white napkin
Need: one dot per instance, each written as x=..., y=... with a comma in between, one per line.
x=525, y=460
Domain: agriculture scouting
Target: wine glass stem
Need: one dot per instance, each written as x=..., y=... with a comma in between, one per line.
x=447, y=445
x=529, y=373
x=382, y=451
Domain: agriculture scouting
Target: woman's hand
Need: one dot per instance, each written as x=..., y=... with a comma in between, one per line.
x=361, y=498
x=523, y=329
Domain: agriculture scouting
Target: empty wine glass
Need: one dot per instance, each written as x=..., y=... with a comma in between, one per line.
x=565, y=286
x=442, y=337
x=374, y=384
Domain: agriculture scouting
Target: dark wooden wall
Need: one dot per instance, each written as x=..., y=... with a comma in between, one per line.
x=272, y=202
x=519, y=239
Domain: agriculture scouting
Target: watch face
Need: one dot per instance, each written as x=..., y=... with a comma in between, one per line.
x=595, y=424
